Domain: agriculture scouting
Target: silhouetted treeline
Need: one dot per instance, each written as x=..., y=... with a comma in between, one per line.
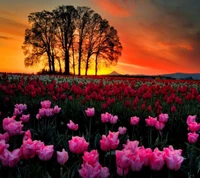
x=69, y=38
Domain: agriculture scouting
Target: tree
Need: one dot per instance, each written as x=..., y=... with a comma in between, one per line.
x=64, y=18
x=84, y=15
x=73, y=37
x=39, y=41
x=108, y=47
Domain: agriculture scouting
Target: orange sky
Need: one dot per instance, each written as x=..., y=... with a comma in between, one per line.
x=157, y=36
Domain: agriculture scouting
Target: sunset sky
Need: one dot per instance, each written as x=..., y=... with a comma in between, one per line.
x=158, y=36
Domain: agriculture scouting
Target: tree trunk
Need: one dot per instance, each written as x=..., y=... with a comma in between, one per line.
x=53, y=64
x=87, y=63
x=79, y=60
x=96, y=64
x=60, y=67
x=49, y=62
x=67, y=62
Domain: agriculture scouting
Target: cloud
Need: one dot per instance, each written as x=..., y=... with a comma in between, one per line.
x=5, y=38
x=7, y=13
x=117, y=8
x=11, y=26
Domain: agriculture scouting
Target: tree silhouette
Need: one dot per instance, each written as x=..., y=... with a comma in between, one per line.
x=78, y=37
x=39, y=42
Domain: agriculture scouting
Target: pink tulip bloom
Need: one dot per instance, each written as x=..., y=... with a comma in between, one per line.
x=17, y=112
x=21, y=107
x=90, y=171
x=136, y=162
x=131, y=145
x=145, y=155
x=123, y=160
x=90, y=112
x=27, y=135
x=105, y=117
x=193, y=126
x=157, y=160
x=56, y=109
x=10, y=159
x=122, y=130
x=25, y=118
x=151, y=121
x=62, y=157
x=5, y=137
x=134, y=120
x=38, y=145
x=45, y=104
x=159, y=125
x=3, y=146
x=109, y=142
x=122, y=172
x=72, y=126
x=91, y=157
x=193, y=137
x=163, y=118
x=173, y=159
x=14, y=128
x=113, y=119
x=7, y=121
x=46, y=152
x=78, y=145
x=104, y=172
x=191, y=119
x=28, y=149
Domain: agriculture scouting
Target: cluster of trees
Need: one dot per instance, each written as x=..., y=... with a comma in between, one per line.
x=69, y=38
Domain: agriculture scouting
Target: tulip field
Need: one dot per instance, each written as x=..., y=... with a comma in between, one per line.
x=98, y=127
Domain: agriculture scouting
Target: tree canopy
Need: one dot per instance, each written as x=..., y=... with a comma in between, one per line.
x=69, y=38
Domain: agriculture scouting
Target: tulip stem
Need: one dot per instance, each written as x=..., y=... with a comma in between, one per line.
x=110, y=160
x=61, y=171
x=90, y=125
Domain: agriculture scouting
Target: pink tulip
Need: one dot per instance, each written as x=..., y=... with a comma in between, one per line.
x=145, y=155
x=122, y=130
x=25, y=118
x=90, y=112
x=45, y=104
x=191, y=119
x=105, y=117
x=92, y=171
x=163, y=118
x=72, y=126
x=5, y=137
x=3, y=146
x=62, y=157
x=131, y=145
x=109, y=142
x=151, y=121
x=159, y=125
x=123, y=160
x=104, y=172
x=134, y=120
x=7, y=121
x=17, y=112
x=78, y=145
x=27, y=135
x=193, y=126
x=113, y=119
x=46, y=152
x=21, y=107
x=56, y=109
x=173, y=159
x=14, y=128
x=28, y=149
x=136, y=162
x=122, y=172
x=157, y=160
x=10, y=159
x=193, y=137
x=91, y=157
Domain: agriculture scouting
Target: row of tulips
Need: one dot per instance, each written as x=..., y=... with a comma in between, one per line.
x=130, y=157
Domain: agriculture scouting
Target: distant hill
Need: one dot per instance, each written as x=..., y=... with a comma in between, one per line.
x=195, y=76
x=178, y=75
x=113, y=73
